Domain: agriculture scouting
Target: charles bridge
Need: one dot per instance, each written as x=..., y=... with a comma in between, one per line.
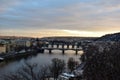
x=62, y=45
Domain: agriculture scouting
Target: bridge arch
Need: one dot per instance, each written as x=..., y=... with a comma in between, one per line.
x=63, y=47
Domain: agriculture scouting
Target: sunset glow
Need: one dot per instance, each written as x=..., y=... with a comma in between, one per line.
x=41, y=18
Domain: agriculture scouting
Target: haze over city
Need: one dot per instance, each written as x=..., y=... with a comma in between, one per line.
x=41, y=18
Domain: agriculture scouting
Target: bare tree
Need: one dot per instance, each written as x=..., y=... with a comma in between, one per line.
x=27, y=72
x=71, y=64
x=35, y=72
x=57, y=67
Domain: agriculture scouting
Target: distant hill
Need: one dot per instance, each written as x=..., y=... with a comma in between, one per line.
x=68, y=38
x=110, y=37
x=62, y=38
x=14, y=37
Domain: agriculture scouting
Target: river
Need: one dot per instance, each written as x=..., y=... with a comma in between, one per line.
x=40, y=58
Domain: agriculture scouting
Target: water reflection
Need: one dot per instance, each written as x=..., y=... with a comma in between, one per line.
x=40, y=59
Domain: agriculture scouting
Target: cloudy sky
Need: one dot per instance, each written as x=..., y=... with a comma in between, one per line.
x=41, y=18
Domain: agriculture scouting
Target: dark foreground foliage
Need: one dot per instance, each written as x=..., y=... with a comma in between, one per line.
x=35, y=72
x=102, y=65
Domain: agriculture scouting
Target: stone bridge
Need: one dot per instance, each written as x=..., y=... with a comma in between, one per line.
x=63, y=46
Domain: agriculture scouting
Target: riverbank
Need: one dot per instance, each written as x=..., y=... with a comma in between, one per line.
x=18, y=55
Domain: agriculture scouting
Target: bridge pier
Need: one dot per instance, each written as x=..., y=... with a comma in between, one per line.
x=76, y=52
x=63, y=51
x=68, y=46
x=72, y=46
x=52, y=45
x=57, y=45
x=63, y=46
x=50, y=51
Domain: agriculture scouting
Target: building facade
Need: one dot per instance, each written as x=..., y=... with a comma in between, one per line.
x=3, y=48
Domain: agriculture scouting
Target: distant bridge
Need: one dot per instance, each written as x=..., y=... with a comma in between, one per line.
x=50, y=46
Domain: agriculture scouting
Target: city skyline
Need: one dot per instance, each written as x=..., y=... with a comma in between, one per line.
x=41, y=18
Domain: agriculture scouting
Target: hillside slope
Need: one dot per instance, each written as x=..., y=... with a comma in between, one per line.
x=110, y=37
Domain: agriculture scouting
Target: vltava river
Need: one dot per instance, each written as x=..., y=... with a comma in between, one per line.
x=40, y=59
